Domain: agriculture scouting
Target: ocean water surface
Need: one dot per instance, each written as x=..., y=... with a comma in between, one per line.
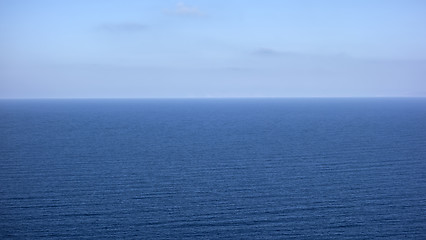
x=213, y=169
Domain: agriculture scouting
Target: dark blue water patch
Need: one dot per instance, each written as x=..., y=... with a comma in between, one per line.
x=218, y=168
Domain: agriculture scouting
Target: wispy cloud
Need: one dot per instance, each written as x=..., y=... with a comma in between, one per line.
x=269, y=52
x=128, y=27
x=181, y=9
x=280, y=54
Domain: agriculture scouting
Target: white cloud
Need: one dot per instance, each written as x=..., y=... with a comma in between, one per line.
x=182, y=9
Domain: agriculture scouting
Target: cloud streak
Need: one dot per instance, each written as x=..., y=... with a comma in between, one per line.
x=181, y=9
x=269, y=52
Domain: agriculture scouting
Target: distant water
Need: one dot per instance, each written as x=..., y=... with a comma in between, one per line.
x=213, y=169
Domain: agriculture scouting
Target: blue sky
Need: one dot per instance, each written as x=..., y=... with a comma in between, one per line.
x=200, y=48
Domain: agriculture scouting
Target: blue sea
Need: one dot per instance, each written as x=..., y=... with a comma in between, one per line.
x=213, y=169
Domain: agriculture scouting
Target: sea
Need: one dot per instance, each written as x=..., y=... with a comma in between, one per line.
x=308, y=168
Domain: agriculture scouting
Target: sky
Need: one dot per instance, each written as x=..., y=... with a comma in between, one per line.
x=212, y=48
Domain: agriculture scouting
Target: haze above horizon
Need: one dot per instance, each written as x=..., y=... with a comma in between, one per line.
x=212, y=49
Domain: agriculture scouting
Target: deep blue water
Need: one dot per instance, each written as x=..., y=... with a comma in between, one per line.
x=213, y=169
